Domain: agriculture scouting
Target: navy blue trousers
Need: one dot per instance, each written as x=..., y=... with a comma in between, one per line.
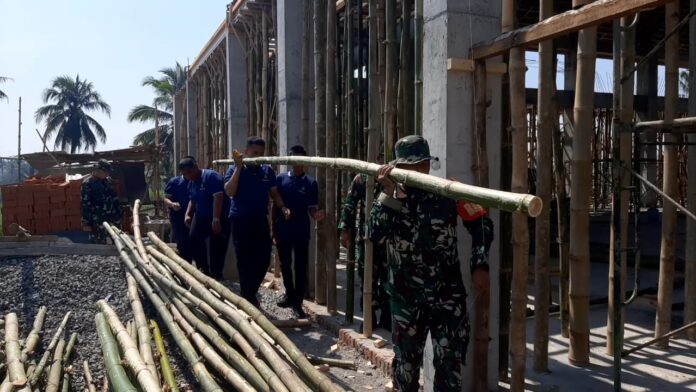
x=252, y=243
x=202, y=230
x=180, y=234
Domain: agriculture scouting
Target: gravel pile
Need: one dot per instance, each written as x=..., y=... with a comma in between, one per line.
x=72, y=283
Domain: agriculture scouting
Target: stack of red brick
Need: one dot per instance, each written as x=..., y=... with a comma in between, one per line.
x=42, y=205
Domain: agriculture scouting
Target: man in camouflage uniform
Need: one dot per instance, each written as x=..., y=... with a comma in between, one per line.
x=99, y=202
x=425, y=282
x=353, y=217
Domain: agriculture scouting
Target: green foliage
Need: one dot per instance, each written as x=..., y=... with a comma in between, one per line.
x=4, y=79
x=67, y=102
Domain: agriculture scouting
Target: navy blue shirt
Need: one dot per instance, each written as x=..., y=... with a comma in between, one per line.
x=177, y=191
x=202, y=190
x=299, y=193
x=252, y=195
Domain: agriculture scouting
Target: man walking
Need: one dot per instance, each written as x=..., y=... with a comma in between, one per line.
x=249, y=187
x=99, y=202
x=206, y=216
x=353, y=218
x=300, y=192
x=425, y=283
x=176, y=199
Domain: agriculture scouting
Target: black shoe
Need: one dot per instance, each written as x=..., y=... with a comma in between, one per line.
x=300, y=312
x=284, y=303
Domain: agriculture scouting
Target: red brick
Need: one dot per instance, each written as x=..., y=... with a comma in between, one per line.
x=11, y=203
x=8, y=191
x=57, y=195
x=58, y=212
x=74, y=222
x=56, y=206
x=25, y=200
x=41, y=212
x=58, y=224
x=73, y=209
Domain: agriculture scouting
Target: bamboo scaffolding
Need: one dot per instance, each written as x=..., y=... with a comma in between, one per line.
x=330, y=245
x=390, y=68
x=130, y=349
x=38, y=372
x=545, y=128
x=319, y=381
x=165, y=365
x=506, y=201
x=418, y=77
x=115, y=373
x=579, y=265
x=320, y=143
x=690, y=264
x=306, y=81
x=352, y=138
x=665, y=285
x=206, y=381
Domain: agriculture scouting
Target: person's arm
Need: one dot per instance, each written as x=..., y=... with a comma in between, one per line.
x=350, y=205
x=481, y=231
x=231, y=179
x=385, y=210
x=278, y=202
x=189, y=212
x=169, y=203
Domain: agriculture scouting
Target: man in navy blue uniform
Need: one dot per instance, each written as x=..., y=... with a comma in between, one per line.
x=176, y=199
x=300, y=193
x=249, y=187
x=206, y=215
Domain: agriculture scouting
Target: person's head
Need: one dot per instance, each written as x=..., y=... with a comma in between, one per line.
x=102, y=169
x=412, y=153
x=189, y=168
x=255, y=147
x=297, y=150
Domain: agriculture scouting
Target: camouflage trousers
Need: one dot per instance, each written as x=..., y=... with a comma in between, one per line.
x=380, y=298
x=99, y=235
x=448, y=324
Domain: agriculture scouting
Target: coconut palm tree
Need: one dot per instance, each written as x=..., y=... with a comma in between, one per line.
x=68, y=101
x=162, y=108
x=3, y=79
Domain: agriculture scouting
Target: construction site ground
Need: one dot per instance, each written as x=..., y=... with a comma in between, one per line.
x=75, y=283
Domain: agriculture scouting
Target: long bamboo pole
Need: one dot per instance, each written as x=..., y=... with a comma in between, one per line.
x=141, y=326
x=690, y=264
x=489, y=198
x=38, y=372
x=352, y=143
x=89, y=382
x=206, y=381
x=418, y=77
x=130, y=350
x=390, y=94
x=199, y=294
x=405, y=111
x=66, y=369
x=27, y=346
x=15, y=367
x=265, y=130
x=482, y=296
x=579, y=261
x=165, y=365
x=116, y=375
x=320, y=140
x=331, y=239
x=544, y=165
x=670, y=175
x=319, y=380
x=520, y=234
x=373, y=137
x=56, y=371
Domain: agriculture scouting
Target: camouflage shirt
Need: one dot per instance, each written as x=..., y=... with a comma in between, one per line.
x=99, y=201
x=421, y=231
x=353, y=212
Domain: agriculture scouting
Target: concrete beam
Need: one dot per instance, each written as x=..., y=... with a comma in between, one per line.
x=449, y=28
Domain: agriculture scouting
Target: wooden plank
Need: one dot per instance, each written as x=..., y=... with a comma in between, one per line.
x=592, y=14
x=467, y=65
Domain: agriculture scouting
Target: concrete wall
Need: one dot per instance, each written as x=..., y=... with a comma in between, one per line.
x=450, y=27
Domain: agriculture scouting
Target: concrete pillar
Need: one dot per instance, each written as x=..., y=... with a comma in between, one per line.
x=236, y=91
x=647, y=82
x=191, y=116
x=178, y=126
x=450, y=27
x=290, y=22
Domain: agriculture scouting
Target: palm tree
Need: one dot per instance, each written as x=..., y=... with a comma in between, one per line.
x=66, y=116
x=3, y=79
x=173, y=79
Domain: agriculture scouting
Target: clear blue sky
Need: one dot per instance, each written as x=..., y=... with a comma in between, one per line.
x=113, y=44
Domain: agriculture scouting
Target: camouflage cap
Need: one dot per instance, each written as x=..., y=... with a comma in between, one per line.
x=104, y=165
x=410, y=150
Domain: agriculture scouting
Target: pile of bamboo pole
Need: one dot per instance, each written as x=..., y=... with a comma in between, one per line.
x=225, y=339
x=20, y=371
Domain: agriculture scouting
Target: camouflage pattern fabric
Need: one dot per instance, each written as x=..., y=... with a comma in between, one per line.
x=425, y=283
x=353, y=216
x=99, y=204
